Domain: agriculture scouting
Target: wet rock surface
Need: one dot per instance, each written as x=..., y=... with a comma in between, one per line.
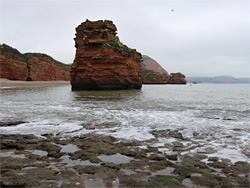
x=92, y=160
x=11, y=123
x=102, y=62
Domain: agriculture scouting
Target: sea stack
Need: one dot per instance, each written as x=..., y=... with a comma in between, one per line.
x=177, y=78
x=31, y=66
x=153, y=73
x=102, y=62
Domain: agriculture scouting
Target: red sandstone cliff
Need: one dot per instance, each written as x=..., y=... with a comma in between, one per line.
x=44, y=67
x=13, y=65
x=30, y=66
x=177, y=78
x=152, y=72
x=102, y=62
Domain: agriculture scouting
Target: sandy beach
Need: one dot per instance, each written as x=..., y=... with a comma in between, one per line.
x=17, y=83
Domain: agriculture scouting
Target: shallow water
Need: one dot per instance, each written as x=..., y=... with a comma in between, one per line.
x=117, y=158
x=168, y=171
x=187, y=182
x=69, y=162
x=39, y=152
x=69, y=148
x=219, y=114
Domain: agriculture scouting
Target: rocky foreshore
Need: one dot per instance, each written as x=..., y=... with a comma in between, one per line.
x=92, y=160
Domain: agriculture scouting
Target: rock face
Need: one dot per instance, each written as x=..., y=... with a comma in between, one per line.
x=177, y=78
x=31, y=66
x=45, y=68
x=13, y=64
x=152, y=72
x=102, y=62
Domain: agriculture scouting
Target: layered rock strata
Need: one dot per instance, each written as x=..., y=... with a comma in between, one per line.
x=13, y=65
x=152, y=72
x=31, y=66
x=177, y=78
x=44, y=68
x=102, y=62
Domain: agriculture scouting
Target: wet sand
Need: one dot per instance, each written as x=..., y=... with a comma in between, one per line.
x=18, y=83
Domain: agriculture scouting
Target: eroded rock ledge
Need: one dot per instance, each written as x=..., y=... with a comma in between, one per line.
x=102, y=62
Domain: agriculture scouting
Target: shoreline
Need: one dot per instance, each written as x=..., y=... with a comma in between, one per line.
x=92, y=160
x=57, y=138
x=5, y=83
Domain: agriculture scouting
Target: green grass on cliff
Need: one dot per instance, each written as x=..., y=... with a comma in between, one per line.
x=119, y=46
x=114, y=43
x=151, y=75
x=14, y=52
x=96, y=22
x=47, y=58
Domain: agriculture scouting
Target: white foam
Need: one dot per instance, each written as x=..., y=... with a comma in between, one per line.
x=142, y=147
x=11, y=154
x=7, y=87
x=39, y=128
x=131, y=133
x=231, y=154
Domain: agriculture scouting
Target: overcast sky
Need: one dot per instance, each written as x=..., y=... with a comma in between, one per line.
x=198, y=38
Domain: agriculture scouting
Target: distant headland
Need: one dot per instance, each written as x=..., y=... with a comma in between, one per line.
x=218, y=80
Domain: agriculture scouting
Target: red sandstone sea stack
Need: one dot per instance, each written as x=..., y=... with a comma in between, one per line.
x=177, y=78
x=102, y=62
x=153, y=73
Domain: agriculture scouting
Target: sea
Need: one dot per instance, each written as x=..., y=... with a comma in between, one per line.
x=214, y=116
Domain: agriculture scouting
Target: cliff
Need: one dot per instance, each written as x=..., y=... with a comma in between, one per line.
x=177, y=78
x=152, y=72
x=102, y=62
x=44, y=68
x=30, y=66
x=13, y=64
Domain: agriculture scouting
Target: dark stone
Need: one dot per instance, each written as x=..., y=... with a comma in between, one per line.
x=11, y=123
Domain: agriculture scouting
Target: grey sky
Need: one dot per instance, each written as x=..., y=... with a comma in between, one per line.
x=200, y=38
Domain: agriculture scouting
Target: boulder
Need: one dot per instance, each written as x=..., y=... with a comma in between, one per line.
x=102, y=62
